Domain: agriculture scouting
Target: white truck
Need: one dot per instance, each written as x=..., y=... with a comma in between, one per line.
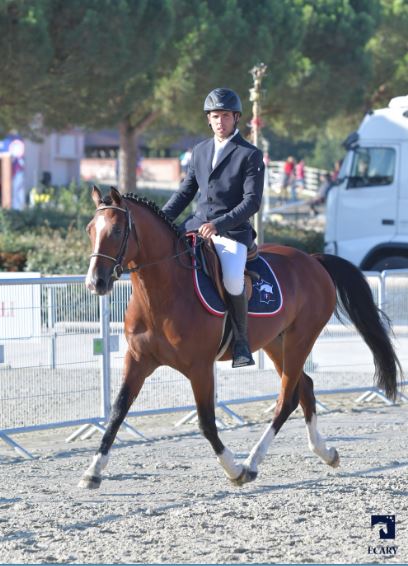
x=367, y=209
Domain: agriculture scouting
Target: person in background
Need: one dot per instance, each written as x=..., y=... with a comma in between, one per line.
x=325, y=185
x=228, y=173
x=288, y=177
x=336, y=170
x=185, y=162
x=299, y=178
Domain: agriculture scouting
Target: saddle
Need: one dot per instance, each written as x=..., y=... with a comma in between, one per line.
x=211, y=265
x=261, y=286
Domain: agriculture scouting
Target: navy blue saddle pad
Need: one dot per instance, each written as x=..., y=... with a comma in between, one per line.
x=266, y=297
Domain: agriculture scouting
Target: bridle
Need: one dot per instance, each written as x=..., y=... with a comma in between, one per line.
x=118, y=269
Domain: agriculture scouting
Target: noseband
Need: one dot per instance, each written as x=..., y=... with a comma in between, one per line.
x=118, y=268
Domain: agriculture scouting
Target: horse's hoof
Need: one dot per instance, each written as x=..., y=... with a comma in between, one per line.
x=90, y=482
x=245, y=476
x=335, y=463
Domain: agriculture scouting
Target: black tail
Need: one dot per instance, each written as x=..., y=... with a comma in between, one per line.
x=354, y=299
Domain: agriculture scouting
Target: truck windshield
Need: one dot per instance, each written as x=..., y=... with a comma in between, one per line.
x=372, y=166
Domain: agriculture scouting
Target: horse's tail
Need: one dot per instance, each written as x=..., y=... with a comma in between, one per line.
x=354, y=299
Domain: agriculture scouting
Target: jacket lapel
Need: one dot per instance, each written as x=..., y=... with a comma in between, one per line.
x=207, y=155
x=229, y=148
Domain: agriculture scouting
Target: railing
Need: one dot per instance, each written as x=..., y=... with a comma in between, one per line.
x=62, y=350
x=312, y=178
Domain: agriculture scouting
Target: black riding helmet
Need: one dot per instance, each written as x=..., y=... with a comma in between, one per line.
x=223, y=99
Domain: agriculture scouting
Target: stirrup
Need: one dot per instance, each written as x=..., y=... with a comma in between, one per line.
x=241, y=356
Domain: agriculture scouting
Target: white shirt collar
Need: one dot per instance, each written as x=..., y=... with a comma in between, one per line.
x=219, y=147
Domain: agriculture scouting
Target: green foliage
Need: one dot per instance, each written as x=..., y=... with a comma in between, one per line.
x=13, y=251
x=26, y=51
x=54, y=253
x=389, y=53
x=333, y=66
x=52, y=239
x=309, y=241
x=327, y=151
x=98, y=63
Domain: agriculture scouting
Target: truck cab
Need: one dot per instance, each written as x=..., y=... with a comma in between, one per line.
x=367, y=209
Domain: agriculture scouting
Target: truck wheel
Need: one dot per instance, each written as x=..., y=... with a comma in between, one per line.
x=393, y=262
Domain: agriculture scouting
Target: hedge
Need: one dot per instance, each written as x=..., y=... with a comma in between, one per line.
x=51, y=239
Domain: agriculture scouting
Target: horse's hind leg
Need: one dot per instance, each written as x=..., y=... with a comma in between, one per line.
x=202, y=382
x=316, y=442
x=289, y=353
x=134, y=376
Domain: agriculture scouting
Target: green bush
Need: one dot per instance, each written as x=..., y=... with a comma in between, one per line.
x=55, y=253
x=50, y=237
x=309, y=241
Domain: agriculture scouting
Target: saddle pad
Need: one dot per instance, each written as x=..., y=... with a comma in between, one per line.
x=266, y=297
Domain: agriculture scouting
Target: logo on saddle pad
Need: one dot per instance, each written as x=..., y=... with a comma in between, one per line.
x=265, y=291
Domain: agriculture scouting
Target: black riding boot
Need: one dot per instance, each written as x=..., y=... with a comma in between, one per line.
x=238, y=309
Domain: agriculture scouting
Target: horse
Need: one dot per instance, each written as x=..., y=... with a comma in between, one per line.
x=165, y=324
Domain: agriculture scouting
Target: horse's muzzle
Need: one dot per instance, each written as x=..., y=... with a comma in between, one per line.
x=99, y=285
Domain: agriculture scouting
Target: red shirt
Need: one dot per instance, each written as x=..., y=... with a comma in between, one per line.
x=288, y=167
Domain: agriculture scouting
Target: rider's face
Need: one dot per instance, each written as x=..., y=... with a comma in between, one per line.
x=222, y=123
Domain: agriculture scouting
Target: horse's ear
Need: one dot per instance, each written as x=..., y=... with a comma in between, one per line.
x=116, y=196
x=96, y=196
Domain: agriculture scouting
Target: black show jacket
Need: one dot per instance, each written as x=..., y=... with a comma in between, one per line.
x=229, y=194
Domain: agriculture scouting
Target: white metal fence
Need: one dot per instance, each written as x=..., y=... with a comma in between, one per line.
x=62, y=349
x=312, y=178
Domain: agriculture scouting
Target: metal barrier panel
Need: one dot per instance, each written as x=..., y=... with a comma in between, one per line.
x=48, y=373
x=52, y=330
x=166, y=389
x=242, y=385
x=395, y=304
x=340, y=359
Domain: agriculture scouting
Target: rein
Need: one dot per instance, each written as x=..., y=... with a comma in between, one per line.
x=118, y=269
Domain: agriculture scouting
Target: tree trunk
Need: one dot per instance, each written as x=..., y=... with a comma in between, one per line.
x=127, y=158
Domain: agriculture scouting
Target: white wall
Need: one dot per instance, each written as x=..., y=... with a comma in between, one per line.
x=60, y=154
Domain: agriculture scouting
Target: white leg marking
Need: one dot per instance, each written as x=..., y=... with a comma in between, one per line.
x=317, y=443
x=99, y=462
x=226, y=459
x=99, y=226
x=260, y=449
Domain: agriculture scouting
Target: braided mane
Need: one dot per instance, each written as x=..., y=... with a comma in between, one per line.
x=151, y=206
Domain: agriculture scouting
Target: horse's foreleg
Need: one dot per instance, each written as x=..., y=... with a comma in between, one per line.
x=316, y=442
x=134, y=376
x=93, y=475
x=203, y=389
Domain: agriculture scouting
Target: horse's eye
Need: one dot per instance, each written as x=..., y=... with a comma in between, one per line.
x=116, y=230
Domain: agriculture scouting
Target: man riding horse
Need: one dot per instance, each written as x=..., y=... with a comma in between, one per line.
x=228, y=172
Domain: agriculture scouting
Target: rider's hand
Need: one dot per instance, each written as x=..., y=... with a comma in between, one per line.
x=207, y=230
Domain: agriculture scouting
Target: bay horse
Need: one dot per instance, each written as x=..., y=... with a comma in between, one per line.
x=165, y=324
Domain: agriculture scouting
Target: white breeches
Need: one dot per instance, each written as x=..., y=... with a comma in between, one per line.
x=233, y=256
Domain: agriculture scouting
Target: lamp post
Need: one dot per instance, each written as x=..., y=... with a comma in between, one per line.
x=257, y=73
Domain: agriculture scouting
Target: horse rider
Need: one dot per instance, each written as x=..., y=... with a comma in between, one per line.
x=228, y=172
